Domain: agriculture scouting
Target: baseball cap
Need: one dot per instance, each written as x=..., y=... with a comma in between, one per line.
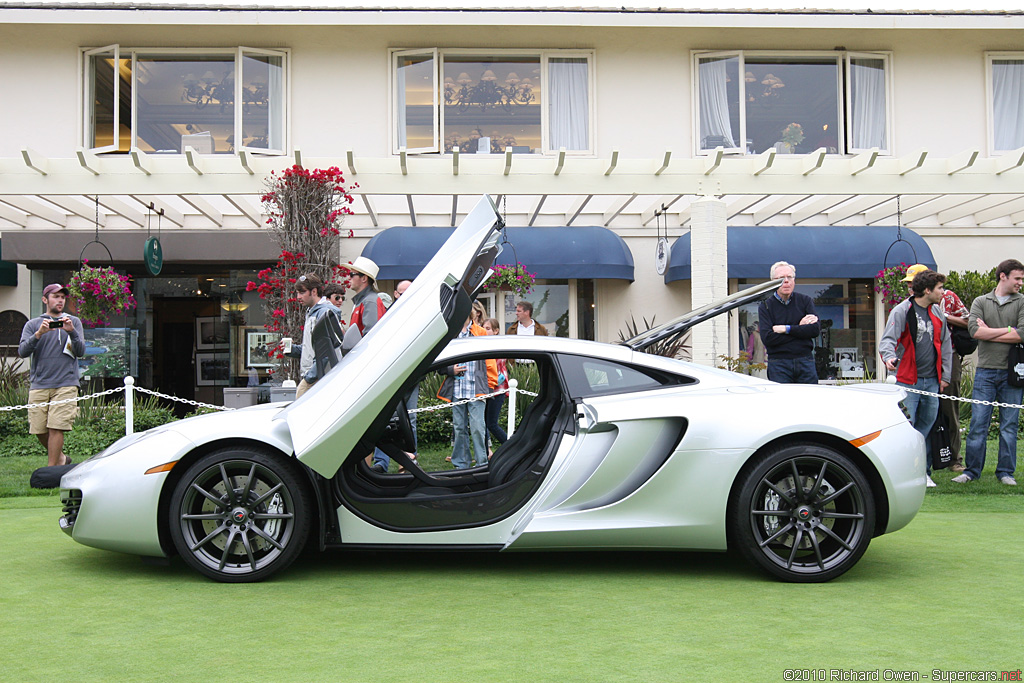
x=50, y=289
x=913, y=270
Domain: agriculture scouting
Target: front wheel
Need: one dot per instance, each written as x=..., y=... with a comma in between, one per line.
x=240, y=515
x=803, y=513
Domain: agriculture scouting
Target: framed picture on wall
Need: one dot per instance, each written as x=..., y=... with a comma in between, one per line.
x=256, y=348
x=211, y=333
x=212, y=369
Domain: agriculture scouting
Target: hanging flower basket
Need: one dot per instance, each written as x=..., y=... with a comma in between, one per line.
x=889, y=283
x=99, y=294
x=511, y=279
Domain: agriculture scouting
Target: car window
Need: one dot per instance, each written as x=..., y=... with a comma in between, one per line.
x=597, y=377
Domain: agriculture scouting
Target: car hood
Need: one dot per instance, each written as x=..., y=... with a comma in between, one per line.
x=684, y=322
x=330, y=418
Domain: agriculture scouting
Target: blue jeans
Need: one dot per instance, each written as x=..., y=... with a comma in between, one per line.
x=474, y=431
x=991, y=385
x=492, y=418
x=410, y=403
x=792, y=370
x=923, y=411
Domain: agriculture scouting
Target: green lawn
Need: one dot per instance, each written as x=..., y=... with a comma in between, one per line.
x=944, y=593
x=930, y=596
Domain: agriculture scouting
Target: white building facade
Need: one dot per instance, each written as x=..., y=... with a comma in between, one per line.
x=746, y=136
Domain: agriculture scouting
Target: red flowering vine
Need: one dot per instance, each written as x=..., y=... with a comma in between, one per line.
x=305, y=209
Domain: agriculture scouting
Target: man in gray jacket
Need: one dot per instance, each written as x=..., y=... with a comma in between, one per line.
x=997, y=321
x=55, y=342
x=917, y=338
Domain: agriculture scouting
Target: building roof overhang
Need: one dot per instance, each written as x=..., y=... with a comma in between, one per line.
x=961, y=194
x=907, y=14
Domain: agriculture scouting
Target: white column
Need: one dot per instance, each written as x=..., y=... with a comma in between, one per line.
x=710, y=277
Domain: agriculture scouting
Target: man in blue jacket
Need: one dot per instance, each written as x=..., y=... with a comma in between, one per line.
x=788, y=325
x=55, y=342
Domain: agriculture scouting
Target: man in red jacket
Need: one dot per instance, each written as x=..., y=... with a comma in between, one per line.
x=917, y=338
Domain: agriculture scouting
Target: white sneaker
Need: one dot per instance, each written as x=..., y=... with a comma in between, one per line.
x=961, y=479
x=1008, y=480
x=929, y=483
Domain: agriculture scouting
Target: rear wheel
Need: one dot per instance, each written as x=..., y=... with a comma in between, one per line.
x=240, y=514
x=804, y=513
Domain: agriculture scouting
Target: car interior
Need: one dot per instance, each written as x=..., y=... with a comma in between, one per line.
x=415, y=498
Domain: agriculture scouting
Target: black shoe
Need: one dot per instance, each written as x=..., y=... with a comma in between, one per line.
x=379, y=469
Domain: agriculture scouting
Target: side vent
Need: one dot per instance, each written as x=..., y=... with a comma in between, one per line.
x=447, y=301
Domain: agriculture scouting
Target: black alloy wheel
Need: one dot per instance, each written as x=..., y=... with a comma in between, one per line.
x=803, y=513
x=240, y=515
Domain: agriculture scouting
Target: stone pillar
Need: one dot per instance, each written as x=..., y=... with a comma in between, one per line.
x=709, y=258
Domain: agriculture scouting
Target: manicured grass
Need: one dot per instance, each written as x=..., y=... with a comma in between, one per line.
x=929, y=596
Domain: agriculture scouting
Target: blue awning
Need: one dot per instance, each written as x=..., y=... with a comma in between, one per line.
x=552, y=253
x=830, y=252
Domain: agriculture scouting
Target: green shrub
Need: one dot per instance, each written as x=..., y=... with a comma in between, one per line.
x=970, y=284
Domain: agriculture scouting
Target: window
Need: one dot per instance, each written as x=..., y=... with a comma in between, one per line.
x=529, y=102
x=594, y=377
x=564, y=307
x=163, y=100
x=1006, y=85
x=846, y=348
x=749, y=102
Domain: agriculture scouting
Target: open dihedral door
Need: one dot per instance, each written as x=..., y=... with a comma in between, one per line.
x=329, y=419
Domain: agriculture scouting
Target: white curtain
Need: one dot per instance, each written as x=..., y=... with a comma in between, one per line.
x=275, y=108
x=867, y=90
x=713, y=102
x=568, y=110
x=403, y=64
x=1008, y=104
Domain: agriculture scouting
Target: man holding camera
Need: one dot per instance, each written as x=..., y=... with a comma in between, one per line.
x=56, y=342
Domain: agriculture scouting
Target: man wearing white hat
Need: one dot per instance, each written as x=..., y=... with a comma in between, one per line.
x=367, y=307
x=367, y=304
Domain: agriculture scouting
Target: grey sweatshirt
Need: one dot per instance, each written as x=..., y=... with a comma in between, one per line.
x=51, y=367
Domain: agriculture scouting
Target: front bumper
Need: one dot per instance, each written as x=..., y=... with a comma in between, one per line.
x=900, y=452
x=111, y=503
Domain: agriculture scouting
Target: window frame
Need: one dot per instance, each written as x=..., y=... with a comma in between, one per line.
x=545, y=55
x=990, y=108
x=844, y=95
x=237, y=53
x=89, y=112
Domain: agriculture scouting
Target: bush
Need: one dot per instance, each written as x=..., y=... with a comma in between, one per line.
x=970, y=284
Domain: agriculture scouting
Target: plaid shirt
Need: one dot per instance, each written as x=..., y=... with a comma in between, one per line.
x=465, y=384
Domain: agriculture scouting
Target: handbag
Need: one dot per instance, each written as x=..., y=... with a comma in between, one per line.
x=1015, y=366
x=963, y=343
x=942, y=451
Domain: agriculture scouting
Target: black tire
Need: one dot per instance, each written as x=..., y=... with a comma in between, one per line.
x=802, y=512
x=240, y=514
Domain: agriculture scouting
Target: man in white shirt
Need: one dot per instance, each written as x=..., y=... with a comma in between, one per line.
x=525, y=323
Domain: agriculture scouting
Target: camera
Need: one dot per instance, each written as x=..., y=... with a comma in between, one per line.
x=55, y=324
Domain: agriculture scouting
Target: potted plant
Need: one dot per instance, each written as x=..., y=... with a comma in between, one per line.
x=513, y=278
x=889, y=283
x=792, y=135
x=99, y=293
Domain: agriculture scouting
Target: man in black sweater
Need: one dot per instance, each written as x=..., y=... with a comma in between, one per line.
x=788, y=325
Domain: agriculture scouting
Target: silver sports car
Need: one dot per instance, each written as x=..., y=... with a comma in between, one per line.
x=618, y=449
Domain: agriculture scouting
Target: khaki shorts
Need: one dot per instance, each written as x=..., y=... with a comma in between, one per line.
x=60, y=417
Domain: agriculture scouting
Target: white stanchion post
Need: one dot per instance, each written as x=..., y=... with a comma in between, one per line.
x=512, y=384
x=129, y=405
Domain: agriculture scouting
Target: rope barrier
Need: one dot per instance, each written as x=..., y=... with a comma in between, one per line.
x=961, y=399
